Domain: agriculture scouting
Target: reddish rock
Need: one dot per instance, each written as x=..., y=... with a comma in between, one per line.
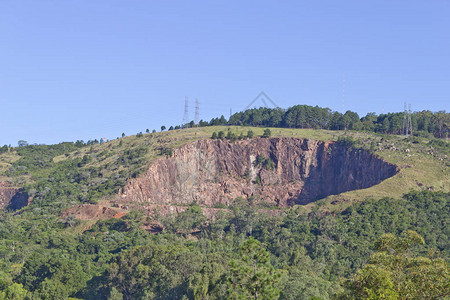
x=210, y=172
x=93, y=212
x=12, y=197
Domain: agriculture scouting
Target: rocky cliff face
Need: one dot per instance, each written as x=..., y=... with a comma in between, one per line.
x=281, y=171
x=12, y=197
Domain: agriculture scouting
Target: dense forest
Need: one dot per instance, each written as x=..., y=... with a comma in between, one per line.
x=424, y=123
x=242, y=252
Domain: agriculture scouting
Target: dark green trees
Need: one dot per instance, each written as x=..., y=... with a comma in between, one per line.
x=267, y=133
x=253, y=276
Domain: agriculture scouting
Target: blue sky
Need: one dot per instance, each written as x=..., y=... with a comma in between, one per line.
x=84, y=69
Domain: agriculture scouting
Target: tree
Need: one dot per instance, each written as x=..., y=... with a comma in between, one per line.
x=188, y=221
x=123, y=134
x=147, y=130
x=250, y=134
x=214, y=135
x=252, y=275
x=393, y=274
x=231, y=136
x=15, y=291
x=163, y=128
x=22, y=143
x=267, y=133
x=4, y=149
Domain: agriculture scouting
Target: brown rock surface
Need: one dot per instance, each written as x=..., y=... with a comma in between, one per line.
x=12, y=197
x=215, y=171
x=93, y=212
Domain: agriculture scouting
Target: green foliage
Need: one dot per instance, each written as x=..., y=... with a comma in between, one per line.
x=267, y=133
x=188, y=221
x=250, y=134
x=304, y=116
x=15, y=292
x=252, y=276
x=167, y=151
x=259, y=159
x=393, y=274
x=231, y=136
x=35, y=157
x=4, y=149
x=266, y=163
x=22, y=143
x=346, y=141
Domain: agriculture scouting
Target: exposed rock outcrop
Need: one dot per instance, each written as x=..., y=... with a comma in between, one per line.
x=12, y=197
x=281, y=171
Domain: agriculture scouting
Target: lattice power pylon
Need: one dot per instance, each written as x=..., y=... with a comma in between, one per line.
x=407, y=123
x=197, y=113
x=186, y=113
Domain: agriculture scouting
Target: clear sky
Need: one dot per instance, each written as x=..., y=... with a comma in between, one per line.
x=87, y=69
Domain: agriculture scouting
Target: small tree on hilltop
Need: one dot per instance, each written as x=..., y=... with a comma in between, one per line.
x=22, y=143
x=267, y=133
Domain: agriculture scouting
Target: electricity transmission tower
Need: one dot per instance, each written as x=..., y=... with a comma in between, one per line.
x=186, y=113
x=197, y=114
x=407, y=123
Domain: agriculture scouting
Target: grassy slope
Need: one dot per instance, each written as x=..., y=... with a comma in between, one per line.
x=420, y=165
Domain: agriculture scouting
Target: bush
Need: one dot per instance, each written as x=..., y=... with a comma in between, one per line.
x=267, y=133
x=346, y=141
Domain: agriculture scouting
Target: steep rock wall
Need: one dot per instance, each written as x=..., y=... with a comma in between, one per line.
x=11, y=197
x=215, y=171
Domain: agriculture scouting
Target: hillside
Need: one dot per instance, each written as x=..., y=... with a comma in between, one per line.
x=97, y=172
x=77, y=220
